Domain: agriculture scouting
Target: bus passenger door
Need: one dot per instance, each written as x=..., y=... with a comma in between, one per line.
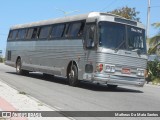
x=89, y=50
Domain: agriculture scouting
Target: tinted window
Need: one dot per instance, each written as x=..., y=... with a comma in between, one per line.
x=44, y=31
x=29, y=33
x=10, y=35
x=14, y=35
x=35, y=33
x=90, y=36
x=21, y=34
x=75, y=29
x=112, y=35
x=136, y=38
x=57, y=31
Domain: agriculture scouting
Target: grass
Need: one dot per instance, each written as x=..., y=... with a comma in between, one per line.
x=156, y=81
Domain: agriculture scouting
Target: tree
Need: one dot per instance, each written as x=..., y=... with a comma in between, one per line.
x=126, y=12
x=154, y=42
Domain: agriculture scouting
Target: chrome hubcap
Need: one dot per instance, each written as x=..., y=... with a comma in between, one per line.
x=71, y=74
x=18, y=67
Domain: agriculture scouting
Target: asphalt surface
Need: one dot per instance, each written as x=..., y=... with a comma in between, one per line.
x=55, y=92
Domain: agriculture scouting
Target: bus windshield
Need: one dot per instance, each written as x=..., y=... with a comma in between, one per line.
x=136, y=38
x=120, y=36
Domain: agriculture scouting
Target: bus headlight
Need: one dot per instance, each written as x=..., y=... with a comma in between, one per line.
x=110, y=68
x=140, y=72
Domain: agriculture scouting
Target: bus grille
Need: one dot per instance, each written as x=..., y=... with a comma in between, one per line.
x=121, y=60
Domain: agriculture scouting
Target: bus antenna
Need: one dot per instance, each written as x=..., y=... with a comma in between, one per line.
x=65, y=12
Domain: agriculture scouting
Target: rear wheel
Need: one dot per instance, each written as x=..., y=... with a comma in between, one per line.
x=19, y=68
x=73, y=76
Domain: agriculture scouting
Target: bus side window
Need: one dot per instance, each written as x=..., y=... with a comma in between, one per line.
x=90, y=36
x=57, y=31
x=35, y=33
x=29, y=33
x=44, y=32
x=75, y=29
x=10, y=35
x=21, y=34
x=14, y=35
x=80, y=33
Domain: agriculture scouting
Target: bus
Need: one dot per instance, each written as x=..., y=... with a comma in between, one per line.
x=96, y=47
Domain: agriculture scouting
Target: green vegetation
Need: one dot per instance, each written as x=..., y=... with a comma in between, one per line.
x=126, y=12
x=154, y=42
x=153, y=68
x=1, y=60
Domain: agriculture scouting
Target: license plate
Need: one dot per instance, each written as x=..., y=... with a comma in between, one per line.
x=126, y=71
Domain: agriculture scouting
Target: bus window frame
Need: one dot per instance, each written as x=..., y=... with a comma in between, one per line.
x=63, y=36
x=65, y=31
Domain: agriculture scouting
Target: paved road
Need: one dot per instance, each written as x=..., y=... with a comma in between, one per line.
x=88, y=97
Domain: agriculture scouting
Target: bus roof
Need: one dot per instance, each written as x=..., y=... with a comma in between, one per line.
x=93, y=15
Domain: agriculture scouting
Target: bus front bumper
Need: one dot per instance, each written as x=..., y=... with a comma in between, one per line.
x=116, y=80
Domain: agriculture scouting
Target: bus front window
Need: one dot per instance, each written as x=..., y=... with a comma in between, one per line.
x=120, y=36
x=136, y=39
x=112, y=35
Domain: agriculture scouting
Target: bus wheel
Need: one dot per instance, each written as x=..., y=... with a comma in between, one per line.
x=112, y=86
x=19, y=70
x=73, y=76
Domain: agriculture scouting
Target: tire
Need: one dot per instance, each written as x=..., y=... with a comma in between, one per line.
x=19, y=68
x=73, y=76
x=112, y=86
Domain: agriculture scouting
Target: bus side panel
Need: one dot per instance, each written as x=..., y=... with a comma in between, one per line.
x=48, y=56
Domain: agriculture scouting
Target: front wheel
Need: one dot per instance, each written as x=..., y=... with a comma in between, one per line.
x=19, y=68
x=73, y=76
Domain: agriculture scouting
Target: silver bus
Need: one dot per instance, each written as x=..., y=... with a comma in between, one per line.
x=95, y=47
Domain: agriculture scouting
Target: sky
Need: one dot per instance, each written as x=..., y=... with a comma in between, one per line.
x=14, y=12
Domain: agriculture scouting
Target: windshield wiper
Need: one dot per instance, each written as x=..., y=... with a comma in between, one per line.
x=116, y=49
x=137, y=50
